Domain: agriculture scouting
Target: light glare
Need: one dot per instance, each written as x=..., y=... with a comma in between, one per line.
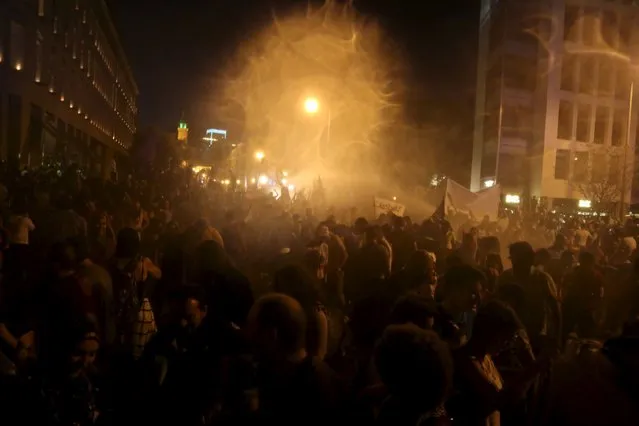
x=311, y=105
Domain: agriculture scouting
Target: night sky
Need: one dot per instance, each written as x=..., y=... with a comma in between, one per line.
x=174, y=47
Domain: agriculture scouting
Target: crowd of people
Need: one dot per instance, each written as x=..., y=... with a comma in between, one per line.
x=160, y=300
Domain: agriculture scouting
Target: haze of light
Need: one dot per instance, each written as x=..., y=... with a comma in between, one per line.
x=315, y=97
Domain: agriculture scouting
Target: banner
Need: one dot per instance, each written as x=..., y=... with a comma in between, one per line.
x=457, y=198
x=460, y=200
x=383, y=206
x=486, y=204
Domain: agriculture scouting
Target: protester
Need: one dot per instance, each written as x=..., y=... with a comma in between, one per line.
x=121, y=303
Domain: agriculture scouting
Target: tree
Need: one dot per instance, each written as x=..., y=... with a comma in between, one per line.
x=600, y=192
x=602, y=181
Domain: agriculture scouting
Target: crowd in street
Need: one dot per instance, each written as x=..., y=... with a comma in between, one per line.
x=158, y=300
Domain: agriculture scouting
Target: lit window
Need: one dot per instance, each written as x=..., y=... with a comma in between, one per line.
x=75, y=44
x=512, y=199
x=77, y=4
x=52, y=84
x=17, y=46
x=40, y=7
x=38, y=64
x=82, y=56
x=585, y=204
x=84, y=17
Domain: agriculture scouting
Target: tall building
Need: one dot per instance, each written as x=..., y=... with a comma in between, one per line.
x=67, y=93
x=553, y=99
x=214, y=135
x=183, y=131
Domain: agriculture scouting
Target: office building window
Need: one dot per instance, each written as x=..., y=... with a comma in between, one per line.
x=55, y=25
x=41, y=7
x=38, y=61
x=583, y=123
x=517, y=120
x=580, y=166
x=610, y=27
x=519, y=20
x=613, y=169
x=520, y=72
x=511, y=169
x=564, y=120
x=571, y=23
x=618, y=127
x=587, y=74
x=626, y=25
x=589, y=26
x=602, y=118
x=52, y=84
x=568, y=68
x=17, y=46
x=562, y=164
x=497, y=28
x=622, y=82
x=606, y=73
x=599, y=163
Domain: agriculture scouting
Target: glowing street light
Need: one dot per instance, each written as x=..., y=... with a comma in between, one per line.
x=259, y=155
x=311, y=105
x=489, y=183
x=263, y=180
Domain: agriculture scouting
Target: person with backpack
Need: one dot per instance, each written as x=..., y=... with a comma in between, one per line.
x=132, y=276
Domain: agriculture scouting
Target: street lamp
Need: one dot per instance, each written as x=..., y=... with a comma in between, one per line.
x=311, y=105
x=624, y=170
x=259, y=155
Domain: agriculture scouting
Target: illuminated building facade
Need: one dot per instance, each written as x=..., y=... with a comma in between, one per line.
x=552, y=107
x=67, y=93
x=183, y=131
x=214, y=135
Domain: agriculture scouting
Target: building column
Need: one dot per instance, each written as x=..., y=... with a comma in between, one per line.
x=33, y=143
x=4, y=111
x=14, y=128
x=61, y=142
x=25, y=118
x=107, y=162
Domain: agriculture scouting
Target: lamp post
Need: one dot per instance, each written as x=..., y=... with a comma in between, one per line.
x=624, y=169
